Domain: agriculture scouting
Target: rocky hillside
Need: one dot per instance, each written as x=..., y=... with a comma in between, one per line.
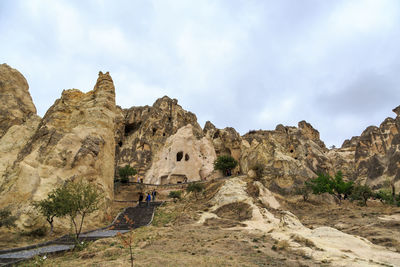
x=85, y=135
x=74, y=140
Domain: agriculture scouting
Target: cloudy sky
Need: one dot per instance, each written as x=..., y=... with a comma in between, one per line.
x=249, y=64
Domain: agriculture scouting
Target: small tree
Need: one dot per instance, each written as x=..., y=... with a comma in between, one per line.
x=335, y=186
x=175, y=195
x=52, y=206
x=6, y=219
x=361, y=193
x=125, y=172
x=195, y=188
x=80, y=199
x=225, y=163
x=127, y=240
x=304, y=190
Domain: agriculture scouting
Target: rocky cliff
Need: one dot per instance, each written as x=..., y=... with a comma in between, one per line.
x=143, y=131
x=74, y=140
x=86, y=136
x=374, y=156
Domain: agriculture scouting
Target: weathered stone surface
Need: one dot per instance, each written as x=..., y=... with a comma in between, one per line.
x=74, y=140
x=182, y=158
x=16, y=104
x=374, y=156
x=289, y=155
x=226, y=141
x=146, y=129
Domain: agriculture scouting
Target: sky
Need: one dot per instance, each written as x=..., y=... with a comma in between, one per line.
x=247, y=64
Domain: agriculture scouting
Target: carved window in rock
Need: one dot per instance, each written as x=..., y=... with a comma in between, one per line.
x=179, y=156
x=187, y=157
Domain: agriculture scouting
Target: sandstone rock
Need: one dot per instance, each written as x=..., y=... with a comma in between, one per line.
x=74, y=140
x=16, y=104
x=225, y=141
x=182, y=158
x=373, y=157
x=289, y=155
x=146, y=130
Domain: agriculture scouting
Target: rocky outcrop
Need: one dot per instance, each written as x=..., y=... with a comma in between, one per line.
x=16, y=105
x=289, y=155
x=74, y=140
x=372, y=158
x=183, y=158
x=225, y=141
x=143, y=131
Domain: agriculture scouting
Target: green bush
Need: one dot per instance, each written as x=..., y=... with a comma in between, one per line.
x=361, y=193
x=6, y=219
x=175, y=195
x=386, y=197
x=335, y=186
x=195, y=188
x=125, y=172
x=225, y=163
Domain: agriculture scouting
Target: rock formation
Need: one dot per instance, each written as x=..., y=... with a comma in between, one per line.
x=183, y=158
x=289, y=155
x=16, y=104
x=74, y=140
x=373, y=157
x=143, y=131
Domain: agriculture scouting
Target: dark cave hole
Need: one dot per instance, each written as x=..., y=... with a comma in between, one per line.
x=179, y=156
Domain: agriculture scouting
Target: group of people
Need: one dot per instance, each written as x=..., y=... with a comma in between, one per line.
x=149, y=197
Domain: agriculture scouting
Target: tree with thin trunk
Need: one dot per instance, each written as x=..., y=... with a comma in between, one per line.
x=80, y=199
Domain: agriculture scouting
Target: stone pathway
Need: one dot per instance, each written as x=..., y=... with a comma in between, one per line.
x=141, y=216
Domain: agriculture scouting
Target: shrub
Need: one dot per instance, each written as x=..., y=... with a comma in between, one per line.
x=195, y=188
x=386, y=197
x=225, y=163
x=175, y=195
x=361, y=193
x=335, y=186
x=125, y=172
x=6, y=219
x=304, y=190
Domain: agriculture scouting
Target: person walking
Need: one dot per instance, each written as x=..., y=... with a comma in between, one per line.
x=140, y=198
x=148, y=199
x=153, y=194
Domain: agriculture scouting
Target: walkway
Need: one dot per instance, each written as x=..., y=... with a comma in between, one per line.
x=141, y=215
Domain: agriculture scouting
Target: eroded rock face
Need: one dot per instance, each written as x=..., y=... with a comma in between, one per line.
x=225, y=141
x=144, y=131
x=289, y=155
x=183, y=158
x=16, y=104
x=74, y=140
x=372, y=158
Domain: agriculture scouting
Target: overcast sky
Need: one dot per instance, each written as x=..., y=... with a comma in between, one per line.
x=248, y=64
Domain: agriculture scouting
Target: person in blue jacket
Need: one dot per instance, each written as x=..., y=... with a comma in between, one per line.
x=148, y=199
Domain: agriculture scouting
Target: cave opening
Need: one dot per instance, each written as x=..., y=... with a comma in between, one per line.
x=131, y=128
x=179, y=156
x=187, y=157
